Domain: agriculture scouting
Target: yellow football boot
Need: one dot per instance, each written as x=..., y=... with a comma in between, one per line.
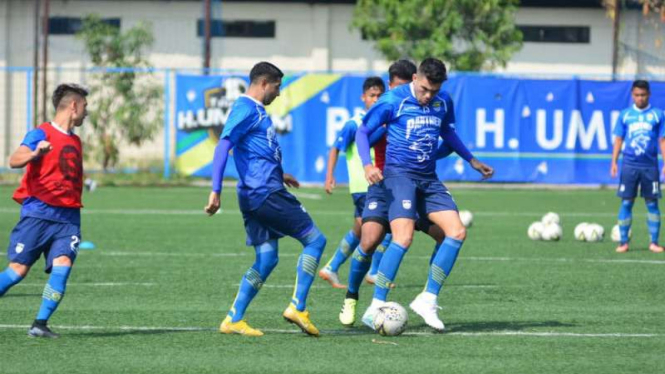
x=300, y=319
x=348, y=314
x=240, y=328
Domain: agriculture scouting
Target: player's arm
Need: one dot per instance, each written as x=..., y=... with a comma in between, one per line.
x=332, y=162
x=661, y=140
x=33, y=146
x=218, y=166
x=450, y=138
x=378, y=115
x=619, y=132
x=345, y=137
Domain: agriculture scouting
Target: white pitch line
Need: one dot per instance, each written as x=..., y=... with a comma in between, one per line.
x=354, y=332
x=98, y=284
x=172, y=254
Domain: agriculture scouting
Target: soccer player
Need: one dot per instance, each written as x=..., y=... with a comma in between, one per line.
x=269, y=211
x=416, y=114
x=641, y=129
x=373, y=87
x=50, y=195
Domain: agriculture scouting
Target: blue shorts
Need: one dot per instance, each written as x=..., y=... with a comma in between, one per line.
x=359, y=203
x=33, y=236
x=280, y=215
x=377, y=206
x=413, y=198
x=646, y=178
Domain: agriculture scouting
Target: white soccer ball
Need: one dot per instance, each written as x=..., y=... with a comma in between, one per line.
x=579, y=231
x=552, y=231
x=551, y=217
x=594, y=232
x=466, y=217
x=391, y=319
x=535, y=230
x=615, y=235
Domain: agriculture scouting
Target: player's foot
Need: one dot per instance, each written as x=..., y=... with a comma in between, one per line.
x=370, y=313
x=348, y=314
x=623, y=248
x=655, y=248
x=42, y=331
x=425, y=306
x=300, y=319
x=240, y=328
x=331, y=277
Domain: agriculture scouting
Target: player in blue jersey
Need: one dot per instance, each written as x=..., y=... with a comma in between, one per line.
x=373, y=87
x=269, y=211
x=640, y=131
x=417, y=115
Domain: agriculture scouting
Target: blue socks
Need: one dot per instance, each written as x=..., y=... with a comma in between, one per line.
x=653, y=220
x=388, y=270
x=54, y=291
x=437, y=246
x=378, y=254
x=308, y=262
x=344, y=250
x=266, y=260
x=360, y=263
x=8, y=278
x=442, y=264
x=625, y=219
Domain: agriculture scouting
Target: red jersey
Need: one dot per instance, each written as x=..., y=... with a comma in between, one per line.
x=380, y=152
x=56, y=178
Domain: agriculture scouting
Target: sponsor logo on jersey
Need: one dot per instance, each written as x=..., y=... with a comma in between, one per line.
x=372, y=205
x=436, y=106
x=19, y=247
x=406, y=204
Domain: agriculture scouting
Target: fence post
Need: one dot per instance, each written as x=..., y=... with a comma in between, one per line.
x=28, y=99
x=167, y=123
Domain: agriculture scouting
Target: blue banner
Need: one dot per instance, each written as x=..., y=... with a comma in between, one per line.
x=540, y=131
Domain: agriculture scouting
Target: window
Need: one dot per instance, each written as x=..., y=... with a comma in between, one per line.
x=556, y=34
x=70, y=26
x=237, y=29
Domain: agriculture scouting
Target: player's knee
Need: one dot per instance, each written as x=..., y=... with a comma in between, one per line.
x=62, y=261
x=403, y=240
x=20, y=269
x=314, y=238
x=459, y=233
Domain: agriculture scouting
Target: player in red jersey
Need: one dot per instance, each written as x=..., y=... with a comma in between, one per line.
x=50, y=195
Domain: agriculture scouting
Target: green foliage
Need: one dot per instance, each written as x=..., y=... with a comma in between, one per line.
x=466, y=34
x=125, y=102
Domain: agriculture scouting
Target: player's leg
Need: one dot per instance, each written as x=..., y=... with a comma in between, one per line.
x=375, y=224
x=628, y=183
x=284, y=214
x=401, y=193
x=442, y=211
x=423, y=224
x=25, y=246
x=346, y=247
x=376, y=258
x=250, y=284
x=60, y=258
x=650, y=186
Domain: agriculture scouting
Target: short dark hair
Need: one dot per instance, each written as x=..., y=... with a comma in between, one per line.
x=402, y=69
x=64, y=91
x=374, y=82
x=267, y=70
x=433, y=69
x=641, y=84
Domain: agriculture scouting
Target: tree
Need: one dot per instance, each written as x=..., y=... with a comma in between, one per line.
x=125, y=104
x=466, y=34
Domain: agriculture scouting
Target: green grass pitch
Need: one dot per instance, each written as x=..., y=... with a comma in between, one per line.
x=150, y=298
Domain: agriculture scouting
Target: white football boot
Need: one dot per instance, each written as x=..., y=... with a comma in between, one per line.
x=370, y=313
x=426, y=307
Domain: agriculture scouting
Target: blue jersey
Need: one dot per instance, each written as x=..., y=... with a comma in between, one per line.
x=33, y=207
x=641, y=130
x=413, y=130
x=257, y=154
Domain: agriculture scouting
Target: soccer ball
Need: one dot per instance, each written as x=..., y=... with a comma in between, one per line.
x=391, y=319
x=615, y=235
x=552, y=231
x=551, y=217
x=535, y=230
x=466, y=217
x=579, y=231
x=594, y=232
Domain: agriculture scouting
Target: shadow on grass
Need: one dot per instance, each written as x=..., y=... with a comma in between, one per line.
x=497, y=326
x=134, y=332
x=22, y=295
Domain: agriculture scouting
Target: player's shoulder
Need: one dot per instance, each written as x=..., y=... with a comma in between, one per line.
x=244, y=107
x=397, y=94
x=443, y=98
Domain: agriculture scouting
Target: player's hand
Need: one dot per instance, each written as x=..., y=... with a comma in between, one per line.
x=291, y=181
x=484, y=169
x=43, y=148
x=330, y=184
x=214, y=203
x=373, y=174
x=614, y=169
